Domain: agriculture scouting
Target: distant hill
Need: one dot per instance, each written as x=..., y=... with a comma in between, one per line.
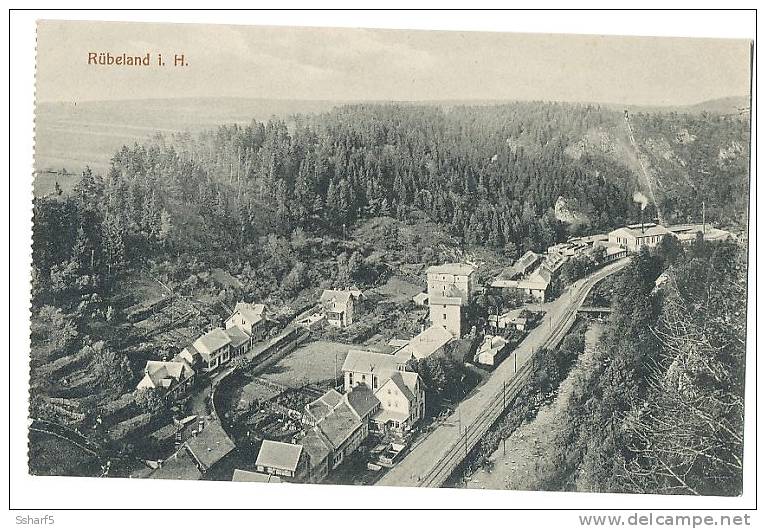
x=723, y=105
x=69, y=136
x=72, y=135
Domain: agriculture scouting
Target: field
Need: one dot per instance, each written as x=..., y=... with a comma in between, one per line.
x=72, y=135
x=397, y=290
x=309, y=364
x=142, y=289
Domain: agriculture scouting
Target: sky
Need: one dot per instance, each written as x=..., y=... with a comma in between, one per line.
x=373, y=64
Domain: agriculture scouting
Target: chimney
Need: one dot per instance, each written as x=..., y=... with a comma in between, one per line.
x=642, y=220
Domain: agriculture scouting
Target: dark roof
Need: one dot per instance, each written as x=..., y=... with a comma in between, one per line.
x=316, y=446
x=524, y=263
x=319, y=408
x=397, y=379
x=339, y=425
x=211, y=445
x=237, y=336
x=545, y=273
x=362, y=400
x=178, y=466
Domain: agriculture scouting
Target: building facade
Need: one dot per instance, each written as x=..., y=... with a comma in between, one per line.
x=452, y=279
x=447, y=313
x=637, y=236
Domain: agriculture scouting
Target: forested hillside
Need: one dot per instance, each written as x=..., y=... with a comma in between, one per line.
x=664, y=410
x=490, y=175
x=695, y=158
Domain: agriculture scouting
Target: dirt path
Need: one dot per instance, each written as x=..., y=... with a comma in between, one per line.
x=517, y=469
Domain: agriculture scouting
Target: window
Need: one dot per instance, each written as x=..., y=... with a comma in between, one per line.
x=444, y=316
x=374, y=382
x=350, y=379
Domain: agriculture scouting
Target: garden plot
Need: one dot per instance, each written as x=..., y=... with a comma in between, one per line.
x=397, y=290
x=311, y=363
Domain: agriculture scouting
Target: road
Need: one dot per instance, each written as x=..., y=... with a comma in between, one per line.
x=432, y=461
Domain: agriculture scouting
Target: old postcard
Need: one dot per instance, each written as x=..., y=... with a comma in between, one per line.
x=390, y=257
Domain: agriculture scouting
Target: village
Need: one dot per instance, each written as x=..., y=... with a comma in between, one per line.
x=350, y=410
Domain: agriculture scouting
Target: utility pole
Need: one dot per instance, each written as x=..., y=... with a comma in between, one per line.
x=703, y=218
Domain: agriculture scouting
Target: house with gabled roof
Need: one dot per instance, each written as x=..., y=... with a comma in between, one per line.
x=491, y=351
x=213, y=348
x=241, y=341
x=250, y=317
x=210, y=446
x=432, y=340
x=420, y=299
x=320, y=408
x=173, y=378
x=319, y=452
x=286, y=460
x=636, y=236
x=368, y=367
x=338, y=306
x=344, y=432
x=402, y=403
x=535, y=286
x=524, y=264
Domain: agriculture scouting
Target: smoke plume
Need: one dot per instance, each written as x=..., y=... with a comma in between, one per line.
x=640, y=198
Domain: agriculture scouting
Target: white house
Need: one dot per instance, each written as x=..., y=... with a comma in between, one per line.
x=535, y=286
x=338, y=306
x=512, y=318
x=452, y=279
x=420, y=299
x=251, y=317
x=402, y=403
x=431, y=341
x=447, y=312
x=401, y=393
x=213, y=347
x=687, y=233
x=172, y=378
x=491, y=350
x=636, y=236
x=288, y=461
x=367, y=367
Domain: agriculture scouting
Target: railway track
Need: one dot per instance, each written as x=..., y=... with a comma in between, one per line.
x=473, y=432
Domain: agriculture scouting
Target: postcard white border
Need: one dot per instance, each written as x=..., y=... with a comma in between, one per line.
x=58, y=492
